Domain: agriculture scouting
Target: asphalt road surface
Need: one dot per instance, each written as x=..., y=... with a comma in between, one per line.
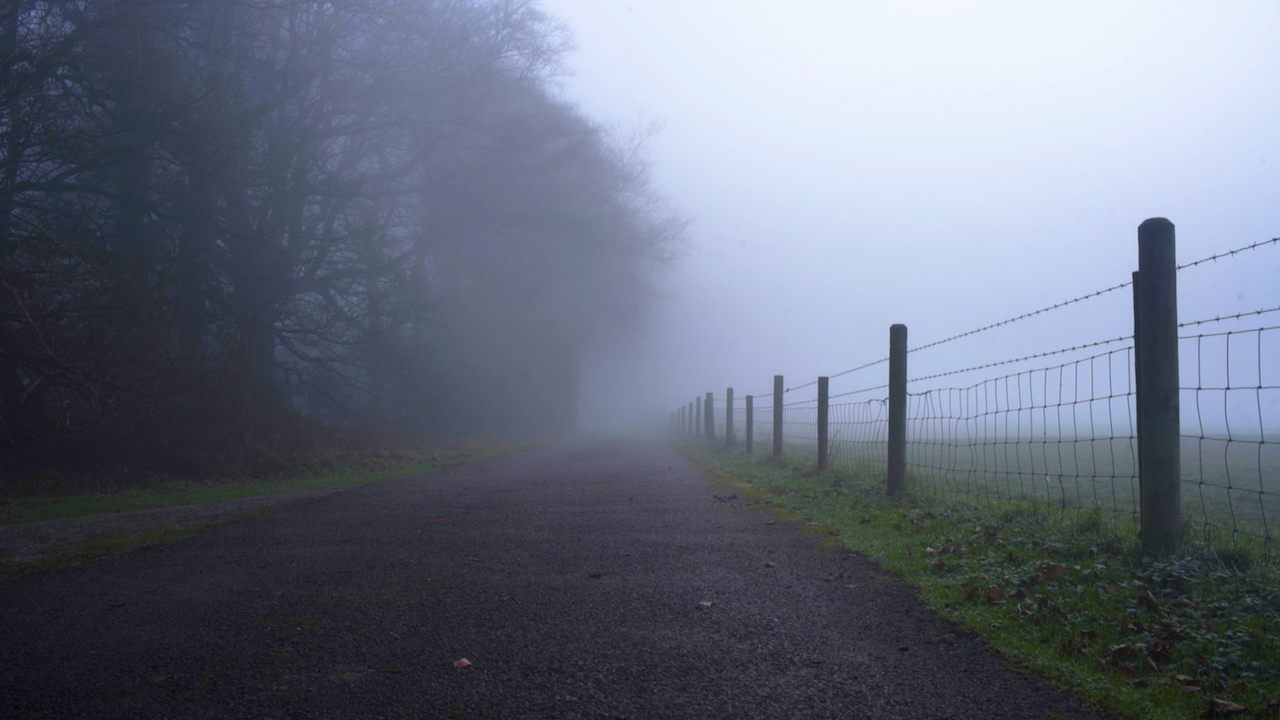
x=593, y=579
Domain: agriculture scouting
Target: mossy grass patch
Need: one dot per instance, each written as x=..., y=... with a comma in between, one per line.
x=1067, y=593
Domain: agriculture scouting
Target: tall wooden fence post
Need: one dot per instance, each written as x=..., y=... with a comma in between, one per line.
x=728, y=418
x=751, y=421
x=689, y=427
x=1159, y=416
x=897, y=409
x=709, y=416
x=683, y=423
x=823, y=384
x=697, y=418
x=777, y=417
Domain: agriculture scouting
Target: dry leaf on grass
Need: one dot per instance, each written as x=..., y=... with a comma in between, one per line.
x=1222, y=708
x=462, y=663
x=769, y=564
x=706, y=603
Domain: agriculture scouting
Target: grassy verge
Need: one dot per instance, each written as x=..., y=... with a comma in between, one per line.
x=1067, y=593
x=108, y=545
x=325, y=471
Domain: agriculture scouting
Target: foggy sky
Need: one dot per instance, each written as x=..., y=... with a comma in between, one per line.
x=943, y=165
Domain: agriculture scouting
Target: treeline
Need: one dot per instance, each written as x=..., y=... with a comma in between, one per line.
x=235, y=222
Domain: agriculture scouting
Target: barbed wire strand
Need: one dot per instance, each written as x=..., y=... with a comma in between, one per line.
x=1222, y=318
x=1023, y=359
x=1229, y=332
x=1229, y=253
x=1024, y=316
x=860, y=367
x=855, y=392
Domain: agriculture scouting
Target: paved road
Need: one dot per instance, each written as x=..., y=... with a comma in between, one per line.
x=572, y=577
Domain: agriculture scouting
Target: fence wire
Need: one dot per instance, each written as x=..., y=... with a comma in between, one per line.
x=1230, y=400
x=1062, y=436
x=1065, y=436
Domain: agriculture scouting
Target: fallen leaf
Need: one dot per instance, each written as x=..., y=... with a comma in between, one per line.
x=1119, y=651
x=706, y=603
x=1221, y=708
x=971, y=593
x=1148, y=601
x=769, y=564
x=462, y=663
x=1190, y=690
x=1240, y=688
x=1055, y=572
x=813, y=523
x=771, y=522
x=994, y=594
x=929, y=550
x=1126, y=670
x=938, y=564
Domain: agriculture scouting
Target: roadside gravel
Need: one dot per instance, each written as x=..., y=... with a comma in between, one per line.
x=601, y=579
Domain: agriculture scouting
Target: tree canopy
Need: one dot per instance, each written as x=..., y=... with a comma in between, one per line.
x=223, y=221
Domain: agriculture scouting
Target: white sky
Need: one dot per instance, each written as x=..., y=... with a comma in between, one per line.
x=945, y=165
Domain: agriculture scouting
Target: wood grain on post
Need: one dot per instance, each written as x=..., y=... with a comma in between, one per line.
x=897, y=410
x=1159, y=414
x=823, y=384
x=728, y=417
x=709, y=417
x=777, y=416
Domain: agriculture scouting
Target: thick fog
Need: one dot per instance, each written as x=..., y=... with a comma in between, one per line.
x=943, y=165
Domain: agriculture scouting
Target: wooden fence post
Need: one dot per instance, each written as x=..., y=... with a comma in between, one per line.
x=823, y=448
x=728, y=418
x=1156, y=373
x=751, y=421
x=697, y=420
x=897, y=409
x=709, y=415
x=777, y=416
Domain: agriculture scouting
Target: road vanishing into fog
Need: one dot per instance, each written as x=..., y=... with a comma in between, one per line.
x=589, y=579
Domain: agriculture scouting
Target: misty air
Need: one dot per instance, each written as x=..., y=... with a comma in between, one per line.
x=607, y=359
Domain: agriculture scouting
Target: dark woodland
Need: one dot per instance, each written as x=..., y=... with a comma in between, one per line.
x=233, y=223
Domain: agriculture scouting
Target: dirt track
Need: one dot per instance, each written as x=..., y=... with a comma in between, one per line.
x=575, y=578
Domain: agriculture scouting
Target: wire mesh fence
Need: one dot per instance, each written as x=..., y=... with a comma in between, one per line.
x=1063, y=436
x=1230, y=397
x=1066, y=435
